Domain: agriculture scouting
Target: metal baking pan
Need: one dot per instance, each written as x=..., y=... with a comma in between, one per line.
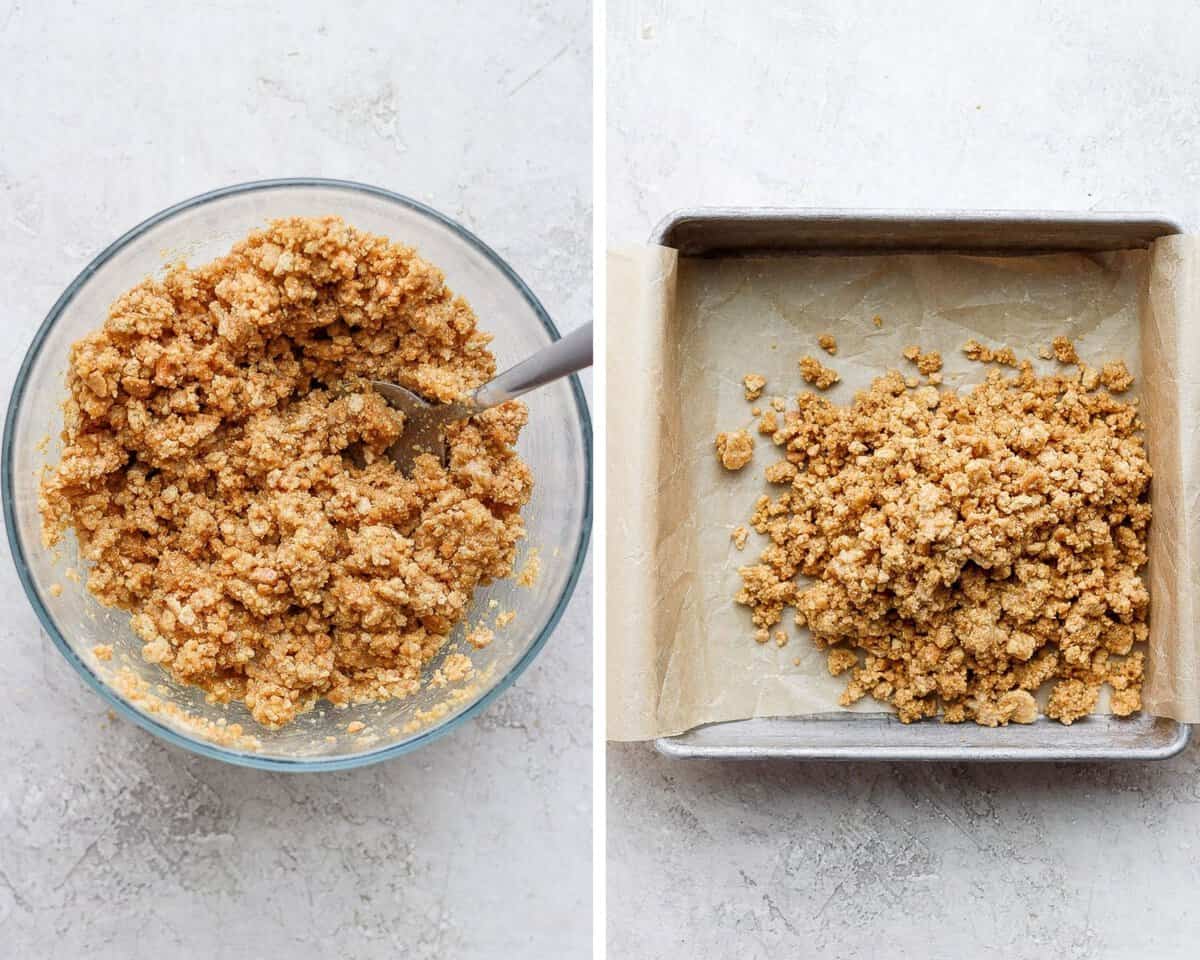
x=732, y=231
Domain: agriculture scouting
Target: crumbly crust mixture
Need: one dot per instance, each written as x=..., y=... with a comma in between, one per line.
x=210, y=471
x=965, y=548
x=816, y=373
x=754, y=383
x=735, y=449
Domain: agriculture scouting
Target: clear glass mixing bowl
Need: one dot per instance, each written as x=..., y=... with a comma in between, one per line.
x=556, y=444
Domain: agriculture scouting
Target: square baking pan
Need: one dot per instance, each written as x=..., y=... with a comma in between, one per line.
x=843, y=735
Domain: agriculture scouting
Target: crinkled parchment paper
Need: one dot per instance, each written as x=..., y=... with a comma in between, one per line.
x=683, y=331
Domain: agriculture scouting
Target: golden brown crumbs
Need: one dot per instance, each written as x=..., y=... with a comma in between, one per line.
x=504, y=618
x=912, y=383
x=783, y=471
x=840, y=660
x=1046, y=353
x=480, y=637
x=137, y=691
x=935, y=378
x=1064, y=350
x=781, y=638
x=754, y=383
x=43, y=444
x=769, y=422
x=103, y=651
x=974, y=350
x=816, y=373
x=927, y=363
x=756, y=411
x=355, y=726
x=56, y=589
x=778, y=404
x=739, y=536
x=877, y=320
x=1116, y=376
x=457, y=668
x=207, y=474
x=735, y=449
x=796, y=661
x=827, y=343
x=531, y=570
x=970, y=547
x=72, y=574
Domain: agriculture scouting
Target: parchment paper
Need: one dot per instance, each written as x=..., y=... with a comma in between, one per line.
x=683, y=331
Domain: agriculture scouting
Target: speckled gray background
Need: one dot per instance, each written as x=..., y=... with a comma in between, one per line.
x=1070, y=105
x=111, y=844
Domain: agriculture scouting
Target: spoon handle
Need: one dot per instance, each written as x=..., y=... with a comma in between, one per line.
x=573, y=352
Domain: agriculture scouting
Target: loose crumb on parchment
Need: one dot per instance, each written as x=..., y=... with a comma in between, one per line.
x=754, y=383
x=816, y=373
x=827, y=343
x=739, y=536
x=1064, y=350
x=974, y=350
x=735, y=449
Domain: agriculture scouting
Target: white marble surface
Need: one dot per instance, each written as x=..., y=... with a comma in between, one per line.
x=113, y=845
x=1068, y=105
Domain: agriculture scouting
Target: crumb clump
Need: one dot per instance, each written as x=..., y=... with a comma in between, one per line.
x=877, y=320
x=965, y=549
x=1116, y=376
x=532, y=569
x=754, y=383
x=927, y=363
x=735, y=449
x=739, y=536
x=976, y=351
x=480, y=637
x=816, y=373
x=1064, y=350
x=827, y=343
x=103, y=651
x=210, y=470
x=504, y=618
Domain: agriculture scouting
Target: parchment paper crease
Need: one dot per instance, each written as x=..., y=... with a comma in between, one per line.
x=683, y=331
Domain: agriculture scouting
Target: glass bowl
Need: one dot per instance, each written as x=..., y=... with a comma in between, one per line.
x=556, y=444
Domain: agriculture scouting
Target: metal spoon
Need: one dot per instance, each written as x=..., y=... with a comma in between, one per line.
x=425, y=423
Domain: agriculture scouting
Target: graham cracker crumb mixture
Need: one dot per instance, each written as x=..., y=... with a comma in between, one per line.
x=927, y=363
x=480, y=637
x=504, y=618
x=1064, y=350
x=965, y=548
x=103, y=651
x=735, y=449
x=532, y=569
x=974, y=350
x=827, y=343
x=739, y=535
x=816, y=373
x=754, y=383
x=207, y=469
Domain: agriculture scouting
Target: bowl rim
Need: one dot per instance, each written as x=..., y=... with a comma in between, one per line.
x=148, y=722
